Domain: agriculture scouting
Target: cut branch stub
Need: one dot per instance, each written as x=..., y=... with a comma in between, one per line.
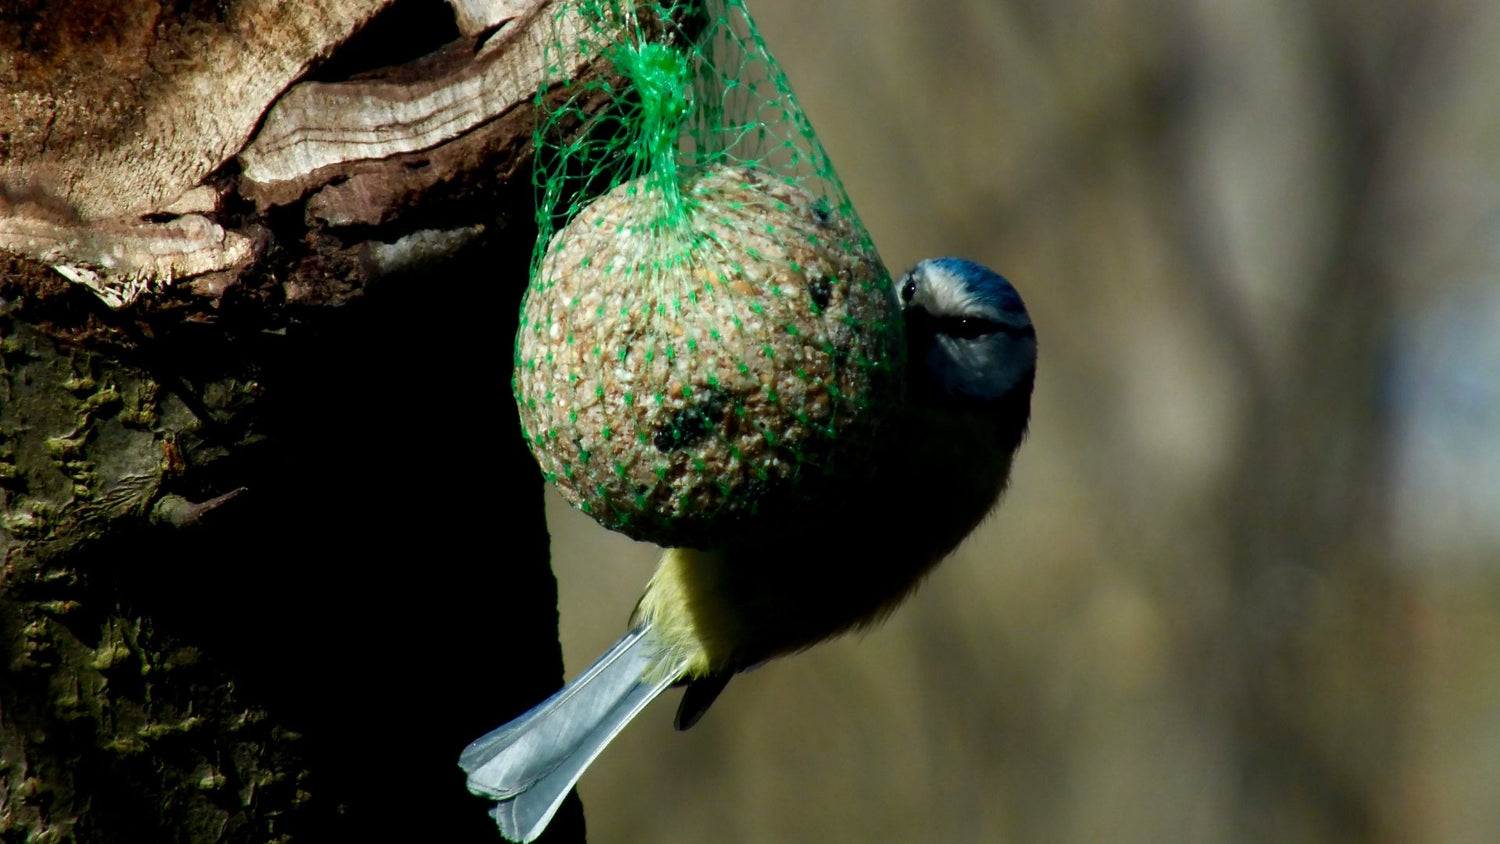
x=183, y=178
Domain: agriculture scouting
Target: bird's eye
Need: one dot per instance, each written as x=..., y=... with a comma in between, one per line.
x=908, y=289
x=968, y=328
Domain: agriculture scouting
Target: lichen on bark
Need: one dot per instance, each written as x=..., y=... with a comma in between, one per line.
x=92, y=689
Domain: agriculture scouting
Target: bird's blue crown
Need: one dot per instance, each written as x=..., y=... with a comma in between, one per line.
x=987, y=287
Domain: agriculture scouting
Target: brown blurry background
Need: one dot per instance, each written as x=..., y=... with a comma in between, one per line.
x=1246, y=584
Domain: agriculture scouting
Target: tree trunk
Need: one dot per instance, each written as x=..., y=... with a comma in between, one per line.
x=273, y=551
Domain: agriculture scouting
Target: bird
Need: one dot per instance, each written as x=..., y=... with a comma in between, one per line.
x=708, y=614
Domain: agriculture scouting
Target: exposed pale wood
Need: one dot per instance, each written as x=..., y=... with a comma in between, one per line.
x=129, y=200
x=476, y=16
x=183, y=101
x=319, y=125
x=121, y=261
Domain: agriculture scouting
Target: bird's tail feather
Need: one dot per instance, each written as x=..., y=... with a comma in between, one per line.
x=531, y=763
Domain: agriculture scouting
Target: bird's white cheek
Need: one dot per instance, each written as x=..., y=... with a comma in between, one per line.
x=1007, y=376
x=1014, y=362
x=985, y=369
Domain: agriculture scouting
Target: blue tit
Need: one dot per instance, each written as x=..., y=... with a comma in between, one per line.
x=706, y=615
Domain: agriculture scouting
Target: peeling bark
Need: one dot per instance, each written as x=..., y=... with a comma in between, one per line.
x=179, y=180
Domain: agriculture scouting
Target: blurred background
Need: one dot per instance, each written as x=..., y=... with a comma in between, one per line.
x=1246, y=584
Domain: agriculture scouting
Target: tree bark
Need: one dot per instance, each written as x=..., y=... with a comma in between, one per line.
x=272, y=549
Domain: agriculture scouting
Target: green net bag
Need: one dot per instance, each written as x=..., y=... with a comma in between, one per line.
x=709, y=335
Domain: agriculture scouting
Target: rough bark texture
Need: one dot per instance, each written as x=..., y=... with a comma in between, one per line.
x=272, y=548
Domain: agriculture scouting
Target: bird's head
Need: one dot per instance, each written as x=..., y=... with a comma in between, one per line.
x=969, y=337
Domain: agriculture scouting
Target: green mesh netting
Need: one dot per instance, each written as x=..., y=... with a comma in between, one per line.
x=709, y=333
